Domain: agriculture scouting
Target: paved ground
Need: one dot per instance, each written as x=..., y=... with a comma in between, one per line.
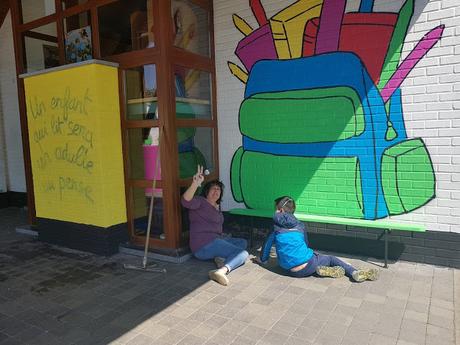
x=50, y=295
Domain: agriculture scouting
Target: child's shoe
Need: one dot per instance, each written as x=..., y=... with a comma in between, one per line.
x=219, y=276
x=366, y=274
x=333, y=272
x=219, y=261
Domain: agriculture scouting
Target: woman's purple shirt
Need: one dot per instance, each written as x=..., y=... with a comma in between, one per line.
x=205, y=222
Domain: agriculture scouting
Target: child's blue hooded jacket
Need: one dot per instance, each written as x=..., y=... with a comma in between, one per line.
x=290, y=240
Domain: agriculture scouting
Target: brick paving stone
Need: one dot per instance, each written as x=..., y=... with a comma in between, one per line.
x=140, y=339
x=12, y=308
x=388, y=326
x=200, y=315
x=440, y=303
x=239, y=340
x=446, y=313
x=378, y=339
x=445, y=322
x=205, y=331
x=266, y=321
x=297, y=341
x=292, y=318
x=253, y=332
x=416, y=316
x=404, y=342
x=3, y=336
x=172, y=336
x=412, y=331
x=273, y=338
x=187, y=325
x=11, y=341
x=223, y=338
x=342, y=318
x=284, y=328
x=12, y=326
x=228, y=312
x=216, y=321
x=307, y=333
x=47, y=339
x=235, y=326
x=190, y=339
x=350, y=301
x=28, y=334
x=418, y=307
x=430, y=340
x=355, y=336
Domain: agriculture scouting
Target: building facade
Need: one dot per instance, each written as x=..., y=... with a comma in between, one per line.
x=351, y=107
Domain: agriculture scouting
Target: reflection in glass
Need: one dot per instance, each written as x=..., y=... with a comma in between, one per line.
x=195, y=147
x=185, y=222
x=191, y=27
x=69, y=3
x=193, y=93
x=34, y=9
x=141, y=205
x=125, y=26
x=141, y=86
x=41, y=48
x=78, y=46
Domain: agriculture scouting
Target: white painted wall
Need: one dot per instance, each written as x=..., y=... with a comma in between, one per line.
x=431, y=99
x=11, y=156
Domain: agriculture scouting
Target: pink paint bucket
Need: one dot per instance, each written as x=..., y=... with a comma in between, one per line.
x=150, y=159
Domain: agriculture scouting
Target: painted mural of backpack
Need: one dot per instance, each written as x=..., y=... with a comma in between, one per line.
x=318, y=127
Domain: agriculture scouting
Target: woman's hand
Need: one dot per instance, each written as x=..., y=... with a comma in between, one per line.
x=198, y=178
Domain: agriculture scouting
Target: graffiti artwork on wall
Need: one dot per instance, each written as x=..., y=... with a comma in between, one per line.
x=322, y=115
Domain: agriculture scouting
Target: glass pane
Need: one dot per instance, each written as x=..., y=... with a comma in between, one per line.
x=143, y=151
x=195, y=148
x=34, y=9
x=193, y=93
x=70, y=3
x=191, y=27
x=141, y=85
x=41, y=49
x=185, y=228
x=78, y=45
x=125, y=26
x=141, y=206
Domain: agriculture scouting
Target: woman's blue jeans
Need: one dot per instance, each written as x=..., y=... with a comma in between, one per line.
x=233, y=250
x=322, y=260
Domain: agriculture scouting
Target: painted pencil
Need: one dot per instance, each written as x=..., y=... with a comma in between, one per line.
x=258, y=11
x=403, y=70
x=238, y=72
x=241, y=25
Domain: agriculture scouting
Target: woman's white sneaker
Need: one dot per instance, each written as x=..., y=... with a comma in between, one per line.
x=219, y=276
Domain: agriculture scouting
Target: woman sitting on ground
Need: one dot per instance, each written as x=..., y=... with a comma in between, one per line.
x=206, y=220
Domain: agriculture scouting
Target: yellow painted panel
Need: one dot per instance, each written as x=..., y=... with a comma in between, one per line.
x=73, y=118
x=288, y=27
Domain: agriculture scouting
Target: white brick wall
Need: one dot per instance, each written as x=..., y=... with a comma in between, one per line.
x=9, y=113
x=431, y=98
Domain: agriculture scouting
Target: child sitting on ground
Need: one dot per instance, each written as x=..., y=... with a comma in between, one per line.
x=296, y=257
